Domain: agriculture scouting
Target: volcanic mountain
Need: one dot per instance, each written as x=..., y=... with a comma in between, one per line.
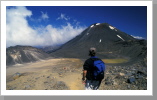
x=109, y=41
x=24, y=54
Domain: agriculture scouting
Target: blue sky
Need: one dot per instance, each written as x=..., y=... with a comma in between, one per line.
x=52, y=25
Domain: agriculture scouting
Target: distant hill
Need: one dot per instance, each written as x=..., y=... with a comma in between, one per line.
x=24, y=54
x=109, y=41
x=48, y=49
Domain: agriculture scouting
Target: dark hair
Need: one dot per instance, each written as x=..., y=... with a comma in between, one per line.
x=92, y=53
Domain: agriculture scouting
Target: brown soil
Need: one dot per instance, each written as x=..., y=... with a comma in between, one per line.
x=44, y=75
x=66, y=74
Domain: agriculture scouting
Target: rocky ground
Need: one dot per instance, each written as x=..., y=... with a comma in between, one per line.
x=125, y=78
x=66, y=74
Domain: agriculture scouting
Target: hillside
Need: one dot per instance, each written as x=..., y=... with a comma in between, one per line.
x=24, y=54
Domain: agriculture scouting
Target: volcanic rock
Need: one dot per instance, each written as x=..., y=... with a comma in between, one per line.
x=131, y=80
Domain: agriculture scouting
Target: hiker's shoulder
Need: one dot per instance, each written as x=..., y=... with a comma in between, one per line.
x=87, y=60
x=95, y=58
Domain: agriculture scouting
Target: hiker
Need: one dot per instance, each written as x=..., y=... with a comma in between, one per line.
x=92, y=77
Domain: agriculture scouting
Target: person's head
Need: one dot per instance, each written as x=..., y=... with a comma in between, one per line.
x=92, y=51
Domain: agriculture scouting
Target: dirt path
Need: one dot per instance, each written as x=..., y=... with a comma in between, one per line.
x=73, y=81
x=46, y=75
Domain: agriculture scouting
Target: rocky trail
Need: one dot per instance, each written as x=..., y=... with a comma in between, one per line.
x=66, y=74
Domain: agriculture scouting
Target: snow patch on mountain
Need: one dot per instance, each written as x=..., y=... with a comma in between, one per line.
x=97, y=23
x=100, y=41
x=111, y=27
x=137, y=37
x=120, y=37
x=92, y=26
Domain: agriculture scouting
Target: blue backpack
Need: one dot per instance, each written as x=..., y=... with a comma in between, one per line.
x=98, y=68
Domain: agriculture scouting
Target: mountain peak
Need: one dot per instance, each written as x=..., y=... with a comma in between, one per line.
x=109, y=41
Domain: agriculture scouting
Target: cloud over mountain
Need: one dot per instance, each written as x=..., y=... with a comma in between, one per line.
x=137, y=37
x=19, y=32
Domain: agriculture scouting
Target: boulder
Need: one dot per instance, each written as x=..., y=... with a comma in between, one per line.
x=131, y=80
x=16, y=75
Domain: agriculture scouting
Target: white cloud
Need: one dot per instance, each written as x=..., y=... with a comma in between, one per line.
x=67, y=19
x=44, y=15
x=53, y=36
x=63, y=17
x=137, y=37
x=76, y=22
x=19, y=32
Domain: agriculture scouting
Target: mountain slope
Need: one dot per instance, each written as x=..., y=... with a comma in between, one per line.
x=109, y=41
x=24, y=54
